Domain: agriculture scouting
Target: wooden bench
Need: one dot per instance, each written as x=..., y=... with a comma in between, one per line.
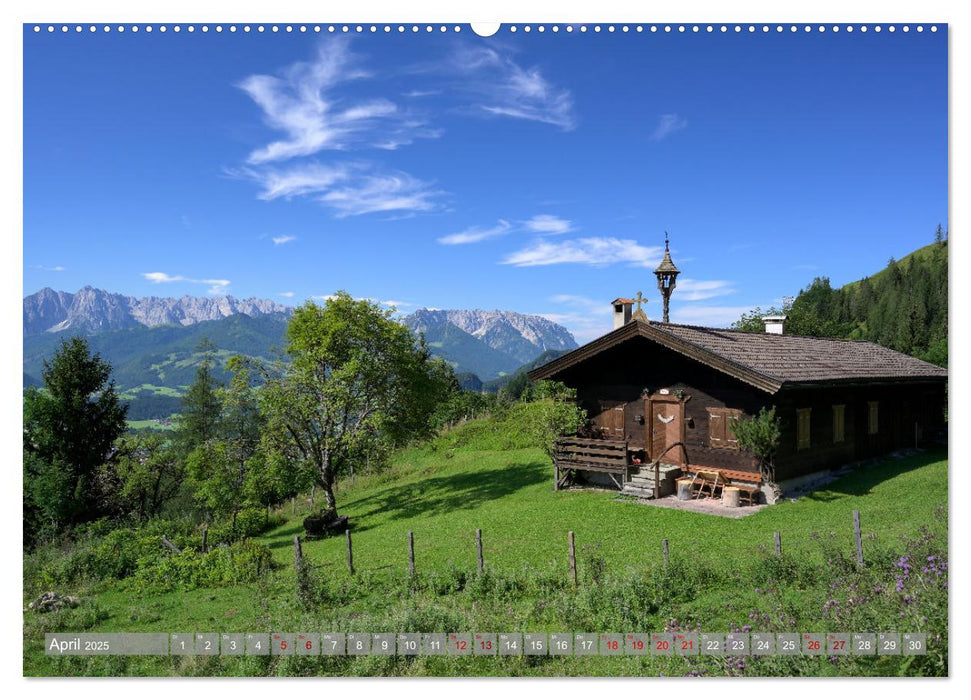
x=748, y=483
x=572, y=454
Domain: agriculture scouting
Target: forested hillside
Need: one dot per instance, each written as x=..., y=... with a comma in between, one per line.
x=903, y=306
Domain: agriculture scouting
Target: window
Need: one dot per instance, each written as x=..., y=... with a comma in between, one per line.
x=839, y=423
x=873, y=425
x=720, y=433
x=802, y=428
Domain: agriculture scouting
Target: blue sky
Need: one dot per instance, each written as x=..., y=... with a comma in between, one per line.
x=531, y=172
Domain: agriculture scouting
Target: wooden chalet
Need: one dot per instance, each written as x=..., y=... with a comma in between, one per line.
x=660, y=397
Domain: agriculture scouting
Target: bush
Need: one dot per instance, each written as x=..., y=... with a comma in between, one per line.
x=250, y=522
x=240, y=562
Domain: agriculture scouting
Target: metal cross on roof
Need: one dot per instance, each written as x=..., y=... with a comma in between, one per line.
x=639, y=313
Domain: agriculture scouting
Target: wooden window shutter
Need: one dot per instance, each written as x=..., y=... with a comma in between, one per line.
x=731, y=440
x=803, y=422
x=720, y=433
x=717, y=427
x=874, y=418
x=839, y=423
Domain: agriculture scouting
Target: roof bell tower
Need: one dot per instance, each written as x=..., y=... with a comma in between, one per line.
x=667, y=277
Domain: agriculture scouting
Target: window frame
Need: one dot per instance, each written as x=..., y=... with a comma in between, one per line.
x=873, y=418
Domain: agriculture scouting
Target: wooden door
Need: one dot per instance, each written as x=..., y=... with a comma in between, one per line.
x=666, y=425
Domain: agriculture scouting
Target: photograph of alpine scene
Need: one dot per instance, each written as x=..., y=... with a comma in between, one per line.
x=399, y=350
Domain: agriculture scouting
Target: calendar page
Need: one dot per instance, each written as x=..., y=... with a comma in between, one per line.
x=437, y=349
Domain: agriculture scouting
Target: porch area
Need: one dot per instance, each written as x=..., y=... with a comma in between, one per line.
x=615, y=463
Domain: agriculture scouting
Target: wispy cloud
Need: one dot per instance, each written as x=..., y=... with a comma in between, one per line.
x=542, y=224
x=50, y=268
x=306, y=104
x=668, y=124
x=281, y=240
x=697, y=290
x=349, y=189
x=286, y=295
x=475, y=234
x=599, y=252
x=216, y=286
x=506, y=89
x=549, y=224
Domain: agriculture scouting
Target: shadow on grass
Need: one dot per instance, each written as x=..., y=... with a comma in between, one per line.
x=447, y=494
x=862, y=481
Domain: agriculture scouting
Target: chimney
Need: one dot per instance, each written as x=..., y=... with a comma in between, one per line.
x=622, y=311
x=775, y=324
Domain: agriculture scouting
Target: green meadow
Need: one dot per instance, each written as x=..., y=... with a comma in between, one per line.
x=723, y=574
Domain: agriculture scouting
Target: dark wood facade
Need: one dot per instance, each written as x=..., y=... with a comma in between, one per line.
x=651, y=395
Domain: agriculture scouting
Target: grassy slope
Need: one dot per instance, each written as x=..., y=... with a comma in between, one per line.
x=443, y=497
x=509, y=496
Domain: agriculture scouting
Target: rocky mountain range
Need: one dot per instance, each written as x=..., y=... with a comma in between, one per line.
x=152, y=343
x=91, y=310
x=520, y=337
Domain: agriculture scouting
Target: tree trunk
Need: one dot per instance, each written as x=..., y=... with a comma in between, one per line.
x=326, y=481
x=328, y=490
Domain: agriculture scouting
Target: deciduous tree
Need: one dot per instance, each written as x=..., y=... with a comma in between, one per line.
x=355, y=375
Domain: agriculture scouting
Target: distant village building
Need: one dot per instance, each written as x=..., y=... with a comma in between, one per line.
x=666, y=393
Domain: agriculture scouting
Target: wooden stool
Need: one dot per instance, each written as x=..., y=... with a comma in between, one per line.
x=684, y=489
x=731, y=496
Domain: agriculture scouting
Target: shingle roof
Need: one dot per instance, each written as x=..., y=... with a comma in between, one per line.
x=765, y=360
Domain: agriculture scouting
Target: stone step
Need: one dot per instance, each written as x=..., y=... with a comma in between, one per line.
x=630, y=490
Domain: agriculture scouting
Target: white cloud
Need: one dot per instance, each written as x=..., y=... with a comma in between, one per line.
x=287, y=295
x=46, y=268
x=586, y=251
x=216, y=286
x=714, y=316
x=280, y=240
x=350, y=188
x=585, y=318
x=305, y=104
x=697, y=290
x=668, y=124
x=504, y=88
x=475, y=234
x=549, y=224
x=381, y=192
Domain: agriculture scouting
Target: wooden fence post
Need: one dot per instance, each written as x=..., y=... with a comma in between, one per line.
x=478, y=547
x=411, y=553
x=859, y=537
x=778, y=543
x=573, y=558
x=667, y=554
x=350, y=553
x=297, y=552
